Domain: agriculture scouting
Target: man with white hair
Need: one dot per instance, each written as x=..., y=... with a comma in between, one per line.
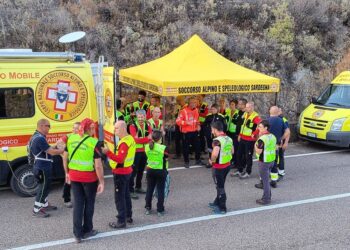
x=141, y=130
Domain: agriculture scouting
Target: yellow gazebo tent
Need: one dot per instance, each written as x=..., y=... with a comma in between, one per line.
x=195, y=68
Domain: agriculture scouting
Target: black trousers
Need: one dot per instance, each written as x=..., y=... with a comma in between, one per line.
x=219, y=176
x=202, y=139
x=84, y=205
x=66, y=192
x=191, y=138
x=43, y=176
x=138, y=168
x=122, y=196
x=246, y=149
x=178, y=140
x=280, y=164
x=234, y=138
x=155, y=178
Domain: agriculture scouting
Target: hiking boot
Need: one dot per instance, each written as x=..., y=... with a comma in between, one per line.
x=217, y=210
x=129, y=220
x=187, y=165
x=273, y=184
x=40, y=214
x=134, y=196
x=140, y=191
x=117, y=225
x=90, y=234
x=259, y=185
x=263, y=202
x=160, y=214
x=244, y=176
x=68, y=204
x=235, y=174
x=147, y=211
x=49, y=208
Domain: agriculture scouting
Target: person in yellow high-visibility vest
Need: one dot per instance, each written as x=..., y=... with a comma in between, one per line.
x=265, y=149
x=122, y=173
x=157, y=165
x=83, y=165
x=155, y=121
x=220, y=159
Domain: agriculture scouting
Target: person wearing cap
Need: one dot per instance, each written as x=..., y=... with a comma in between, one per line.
x=42, y=152
x=188, y=121
x=155, y=121
x=157, y=165
x=141, y=131
x=141, y=102
x=220, y=159
x=67, y=187
x=83, y=165
x=122, y=170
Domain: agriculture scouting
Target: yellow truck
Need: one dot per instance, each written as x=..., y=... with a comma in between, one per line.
x=63, y=87
x=327, y=119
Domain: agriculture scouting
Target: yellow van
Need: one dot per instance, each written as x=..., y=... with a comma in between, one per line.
x=327, y=119
x=62, y=87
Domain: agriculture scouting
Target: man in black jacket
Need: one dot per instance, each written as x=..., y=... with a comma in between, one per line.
x=213, y=116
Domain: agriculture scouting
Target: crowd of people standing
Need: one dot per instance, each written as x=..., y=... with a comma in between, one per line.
x=229, y=135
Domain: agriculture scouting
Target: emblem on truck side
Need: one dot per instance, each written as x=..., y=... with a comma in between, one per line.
x=61, y=95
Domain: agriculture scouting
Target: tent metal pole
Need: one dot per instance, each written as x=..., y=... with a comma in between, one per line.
x=276, y=96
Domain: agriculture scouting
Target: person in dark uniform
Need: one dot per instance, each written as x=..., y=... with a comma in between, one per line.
x=221, y=161
x=180, y=104
x=42, y=153
x=212, y=117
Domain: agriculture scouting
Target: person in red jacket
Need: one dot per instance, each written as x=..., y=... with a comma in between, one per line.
x=188, y=121
x=121, y=174
x=141, y=130
x=247, y=137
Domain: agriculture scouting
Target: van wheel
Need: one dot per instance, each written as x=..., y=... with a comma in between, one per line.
x=23, y=182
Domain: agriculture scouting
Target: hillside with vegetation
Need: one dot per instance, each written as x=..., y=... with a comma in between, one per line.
x=303, y=42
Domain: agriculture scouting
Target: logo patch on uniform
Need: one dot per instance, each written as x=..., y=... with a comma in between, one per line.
x=61, y=95
x=317, y=113
x=108, y=103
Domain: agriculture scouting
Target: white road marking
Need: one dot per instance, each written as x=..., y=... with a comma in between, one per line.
x=187, y=221
x=286, y=156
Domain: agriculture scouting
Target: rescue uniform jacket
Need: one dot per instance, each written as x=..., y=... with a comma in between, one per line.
x=188, y=115
x=140, y=134
x=249, y=126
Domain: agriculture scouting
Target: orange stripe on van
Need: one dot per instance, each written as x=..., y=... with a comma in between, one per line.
x=22, y=140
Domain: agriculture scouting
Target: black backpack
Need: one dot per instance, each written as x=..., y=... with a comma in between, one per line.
x=30, y=155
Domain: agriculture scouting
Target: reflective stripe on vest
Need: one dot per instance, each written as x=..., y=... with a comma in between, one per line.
x=155, y=156
x=247, y=126
x=136, y=106
x=141, y=132
x=130, y=156
x=231, y=120
x=269, y=147
x=83, y=158
x=226, y=145
x=153, y=124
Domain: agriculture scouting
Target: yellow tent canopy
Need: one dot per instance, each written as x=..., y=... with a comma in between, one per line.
x=195, y=68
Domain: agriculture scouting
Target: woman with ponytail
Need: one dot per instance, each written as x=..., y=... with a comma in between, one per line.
x=157, y=165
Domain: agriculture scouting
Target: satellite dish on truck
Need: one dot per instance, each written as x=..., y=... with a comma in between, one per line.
x=72, y=37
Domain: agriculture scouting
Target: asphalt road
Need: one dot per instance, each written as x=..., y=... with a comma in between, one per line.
x=310, y=210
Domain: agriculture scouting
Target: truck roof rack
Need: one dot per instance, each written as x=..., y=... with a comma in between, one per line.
x=14, y=55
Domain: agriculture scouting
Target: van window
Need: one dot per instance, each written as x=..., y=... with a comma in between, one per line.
x=16, y=103
x=335, y=96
